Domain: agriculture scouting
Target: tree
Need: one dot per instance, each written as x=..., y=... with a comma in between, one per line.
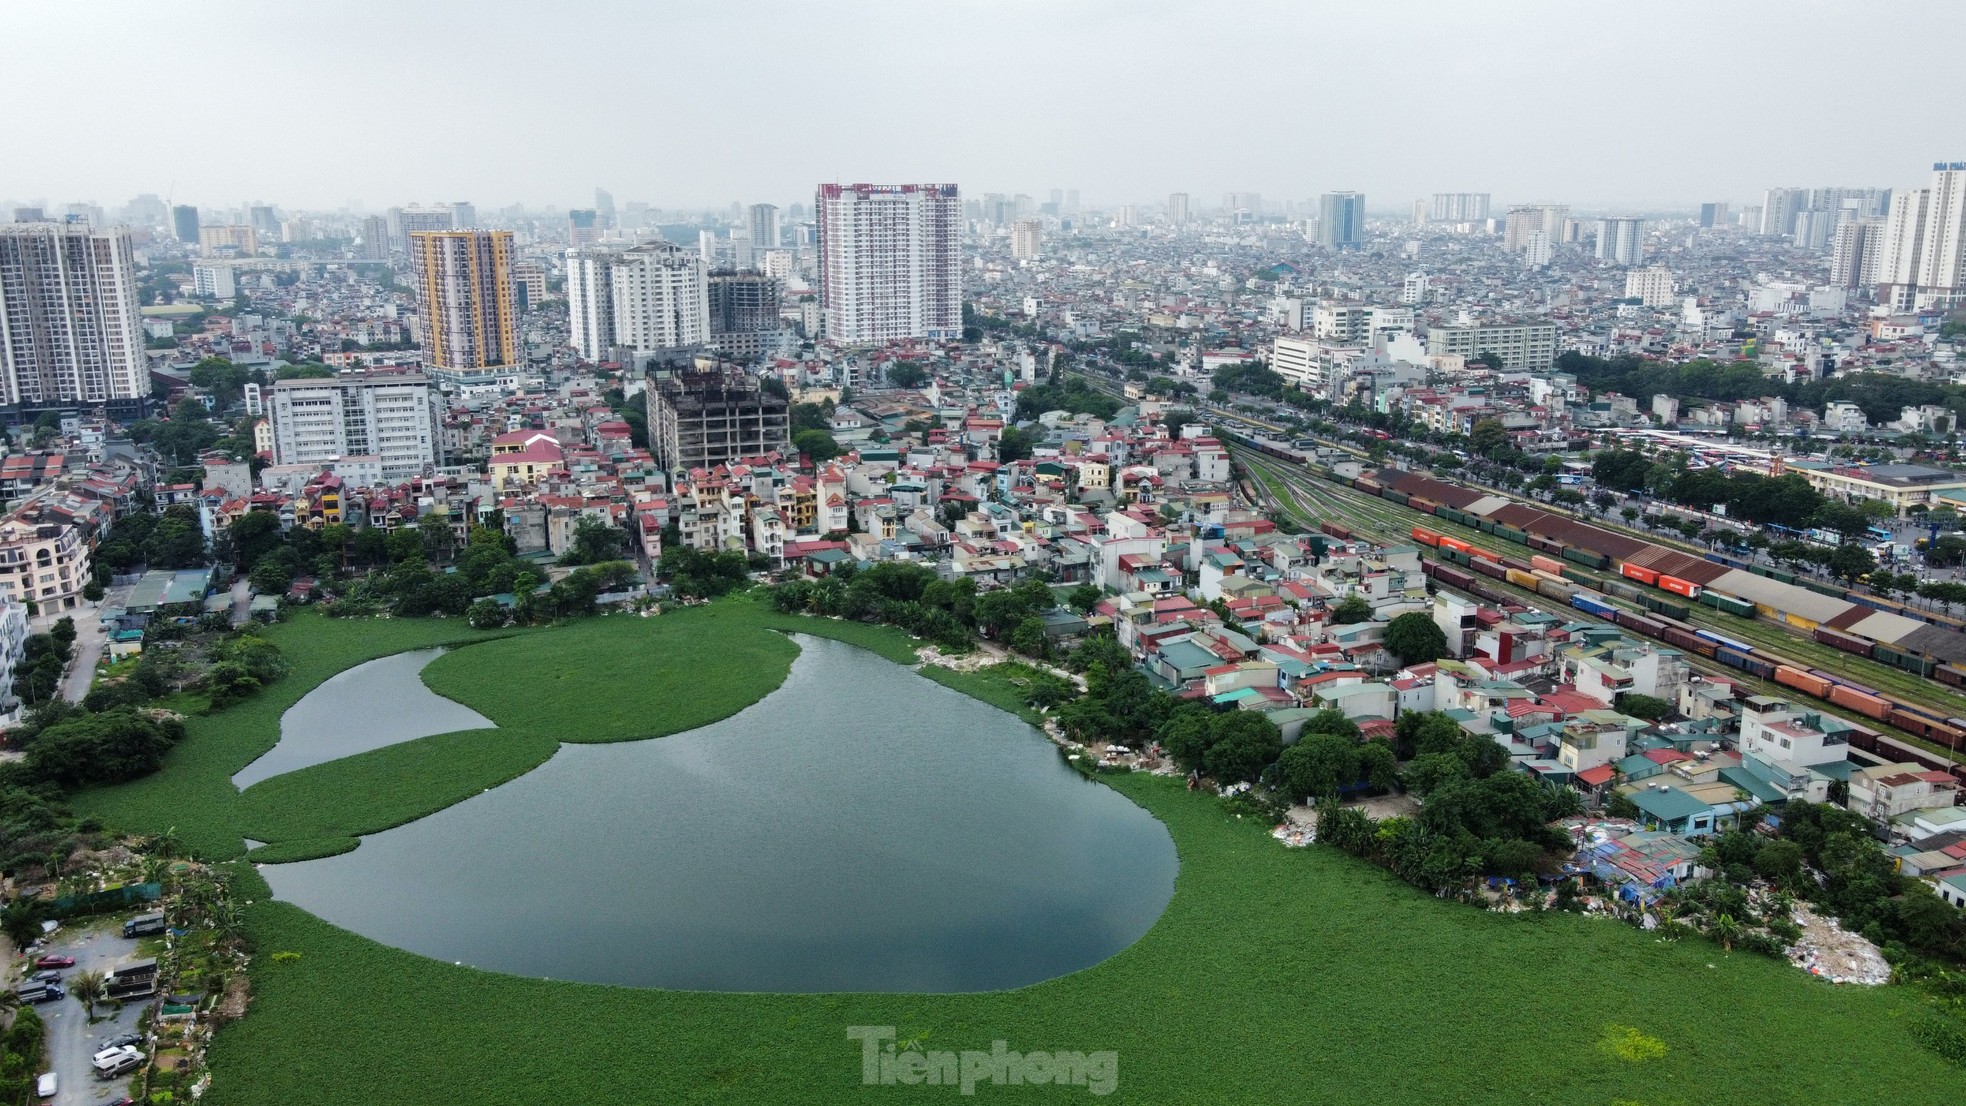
x=1649, y=707
x=594, y=541
x=253, y=536
x=1332, y=721
x=1415, y=638
x=1245, y=744
x=1319, y=766
x=1850, y=562
x=88, y=987
x=906, y=374
x=1014, y=444
x=1378, y=765
x=1351, y=609
x=1085, y=597
x=1488, y=437
x=1029, y=638
x=486, y=614
x=818, y=445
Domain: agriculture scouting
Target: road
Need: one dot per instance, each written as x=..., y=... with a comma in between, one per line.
x=90, y=639
x=72, y=1041
x=242, y=601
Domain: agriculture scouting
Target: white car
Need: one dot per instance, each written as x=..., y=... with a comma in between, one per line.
x=45, y=1086
x=112, y=1062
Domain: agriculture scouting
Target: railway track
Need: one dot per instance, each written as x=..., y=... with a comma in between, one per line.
x=1310, y=500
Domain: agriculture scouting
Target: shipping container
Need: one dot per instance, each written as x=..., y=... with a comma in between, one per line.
x=1486, y=554
x=1638, y=572
x=1547, y=564
x=1453, y=577
x=1425, y=537
x=1519, y=578
x=1692, y=643
x=1587, y=557
x=1869, y=706
x=1733, y=606
x=1742, y=646
x=1335, y=530
x=1732, y=658
x=1579, y=575
x=1849, y=643
x=1950, y=675
x=1488, y=568
x=1560, y=590
x=1456, y=544
x=1584, y=601
x=1678, y=586
x=1790, y=676
x=1836, y=678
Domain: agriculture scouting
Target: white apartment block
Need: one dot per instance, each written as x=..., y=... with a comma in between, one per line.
x=590, y=302
x=1026, y=239
x=649, y=297
x=890, y=261
x=391, y=416
x=13, y=646
x=1519, y=345
x=1651, y=286
x=71, y=332
x=216, y=281
x=44, y=563
x=1620, y=240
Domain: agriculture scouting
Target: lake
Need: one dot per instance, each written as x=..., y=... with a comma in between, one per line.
x=862, y=828
x=382, y=702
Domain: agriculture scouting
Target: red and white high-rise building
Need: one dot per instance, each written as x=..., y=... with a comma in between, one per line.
x=890, y=261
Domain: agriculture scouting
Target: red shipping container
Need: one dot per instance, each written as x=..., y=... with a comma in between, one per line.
x=1639, y=572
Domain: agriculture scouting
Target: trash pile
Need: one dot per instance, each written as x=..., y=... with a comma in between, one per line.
x=1293, y=835
x=1830, y=952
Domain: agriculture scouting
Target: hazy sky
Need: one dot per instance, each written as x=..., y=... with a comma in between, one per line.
x=385, y=102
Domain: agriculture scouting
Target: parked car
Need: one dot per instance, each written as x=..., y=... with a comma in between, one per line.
x=112, y=1062
x=120, y=1040
x=49, y=976
x=55, y=962
x=45, y=1086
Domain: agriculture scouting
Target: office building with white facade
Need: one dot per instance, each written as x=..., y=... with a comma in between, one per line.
x=389, y=415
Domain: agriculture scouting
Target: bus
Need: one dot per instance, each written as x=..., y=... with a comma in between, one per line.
x=1879, y=533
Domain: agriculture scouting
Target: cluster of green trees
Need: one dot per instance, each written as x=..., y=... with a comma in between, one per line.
x=812, y=432
x=1073, y=395
x=20, y=1055
x=1787, y=499
x=1881, y=395
x=910, y=596
x=1330, y=758
x=574, y=595
x=1479, y=817
x=1250, y=378
x=694, y=574
x=37, y=678
x=174, y=539
x=86, y=748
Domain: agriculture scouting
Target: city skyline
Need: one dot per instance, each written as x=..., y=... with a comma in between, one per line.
x=1092, y=104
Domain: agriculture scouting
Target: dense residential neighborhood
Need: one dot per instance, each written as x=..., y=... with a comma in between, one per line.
x=1555, y=562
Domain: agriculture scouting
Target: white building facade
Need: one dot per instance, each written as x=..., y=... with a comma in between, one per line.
x=890, y=261
x=391, y=416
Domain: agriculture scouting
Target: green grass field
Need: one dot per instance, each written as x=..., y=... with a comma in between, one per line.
x=1276, y=975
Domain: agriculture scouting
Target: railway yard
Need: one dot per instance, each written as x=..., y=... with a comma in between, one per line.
x=1895, y=710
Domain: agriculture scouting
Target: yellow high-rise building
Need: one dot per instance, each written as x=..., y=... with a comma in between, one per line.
x=470, y=314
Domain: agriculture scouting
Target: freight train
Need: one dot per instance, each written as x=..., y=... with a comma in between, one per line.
x=1559, y=571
